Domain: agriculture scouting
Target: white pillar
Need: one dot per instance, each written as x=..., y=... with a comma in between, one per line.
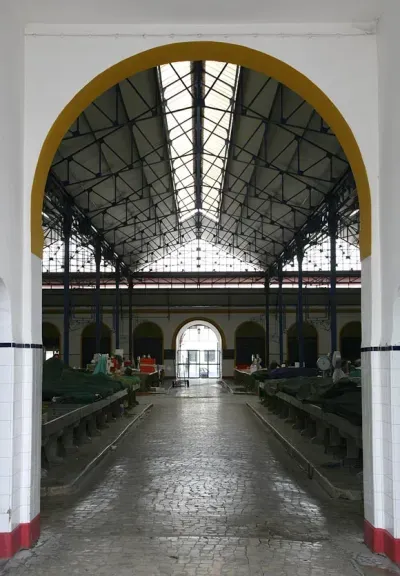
x=381, y=313
x=20, y=313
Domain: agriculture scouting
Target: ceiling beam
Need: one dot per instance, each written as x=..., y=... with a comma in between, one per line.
x=198, y=104
x=83, y=226
x=316, y=224
x=253, y=177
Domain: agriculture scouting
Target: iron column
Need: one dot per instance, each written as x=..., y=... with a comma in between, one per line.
x=280, y=311
x=300, y=323
x=117, y=302
x=198, y=139
x=97, y=296
x=130, y=320
x=67, y=225
x=267, y=291
x=332, y=294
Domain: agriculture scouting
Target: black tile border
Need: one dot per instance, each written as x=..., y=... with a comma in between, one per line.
x=16, y=345
x=380, y=349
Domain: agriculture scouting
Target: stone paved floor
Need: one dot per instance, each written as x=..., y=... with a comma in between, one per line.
x=199, y=388
x=199, y=488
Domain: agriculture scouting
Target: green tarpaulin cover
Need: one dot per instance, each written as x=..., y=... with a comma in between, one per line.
x=75, y=386
x=342, y=398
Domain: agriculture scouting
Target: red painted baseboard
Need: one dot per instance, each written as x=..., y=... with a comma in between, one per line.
x=380, y=541
x=23, y=536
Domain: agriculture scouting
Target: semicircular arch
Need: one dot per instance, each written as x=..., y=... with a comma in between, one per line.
x=309, y=331
x=148, y=339
x=249, y=341
x=198, y=320
x=350, y=340
x=90, y=330
x=195, y=51
x=311, y=344
x=248, y=328
x=88, y=342
x=148, y=328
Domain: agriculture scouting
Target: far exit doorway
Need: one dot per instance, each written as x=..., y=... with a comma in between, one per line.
x=198, y=353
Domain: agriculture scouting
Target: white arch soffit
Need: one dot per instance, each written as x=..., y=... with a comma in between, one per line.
x=192, y=323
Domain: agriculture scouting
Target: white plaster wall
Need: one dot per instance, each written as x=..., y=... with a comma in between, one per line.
x=227, y=322
x=389, y=140
x=20, y=274
x=14, y=232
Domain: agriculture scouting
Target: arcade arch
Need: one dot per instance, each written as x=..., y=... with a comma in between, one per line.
x=350, y=341
x=249, y=340
x=88, y=342
x=310, y=345
x=148, y=339
x=51, y=339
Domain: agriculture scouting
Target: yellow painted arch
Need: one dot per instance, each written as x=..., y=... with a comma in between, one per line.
x=217, y=51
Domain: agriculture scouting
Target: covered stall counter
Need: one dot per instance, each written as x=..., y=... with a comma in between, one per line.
x=326, y=407
x=150, y=373
x=77, y=404
x=243, y=374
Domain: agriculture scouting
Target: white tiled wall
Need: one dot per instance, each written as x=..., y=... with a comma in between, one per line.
x=20, y=422
x=7, y=397
x=373, y=413
x=381, y=432
x=20, y=402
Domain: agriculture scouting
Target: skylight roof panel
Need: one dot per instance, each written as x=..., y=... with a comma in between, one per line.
x=220, y=92
x=175, y=82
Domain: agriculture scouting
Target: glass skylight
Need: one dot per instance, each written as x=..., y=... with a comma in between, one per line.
x=220, y=92
x=176, y=83
x=200, y=256
x=219, y=86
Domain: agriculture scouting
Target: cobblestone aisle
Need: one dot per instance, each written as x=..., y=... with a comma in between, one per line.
x=198, y=488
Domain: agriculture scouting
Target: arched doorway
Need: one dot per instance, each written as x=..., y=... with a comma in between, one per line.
x=249, y=340
x=51, y=339
x=198, y=350
x=197, y=51
x=88, y=346
x=350, y=341
x=310, y=335
x=148, y=339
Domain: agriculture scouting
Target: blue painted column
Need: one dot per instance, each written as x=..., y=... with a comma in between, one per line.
x=280, y=311
x=117, y=301
x=97, y=296
x=300, y=314
x=130, y=320
x=267, y=331
x=67, y=225
x=332, y=293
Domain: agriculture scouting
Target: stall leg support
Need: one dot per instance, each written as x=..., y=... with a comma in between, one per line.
x=81, y=434
x=52, y=452
x=68, y=441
